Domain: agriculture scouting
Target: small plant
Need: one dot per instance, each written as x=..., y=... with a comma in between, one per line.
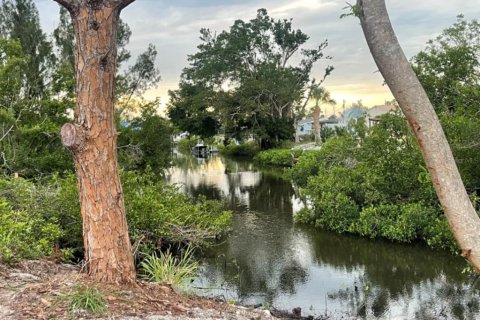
x=167, y=268
x=89, y=299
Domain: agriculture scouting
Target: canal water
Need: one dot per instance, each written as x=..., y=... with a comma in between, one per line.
x=268, y=260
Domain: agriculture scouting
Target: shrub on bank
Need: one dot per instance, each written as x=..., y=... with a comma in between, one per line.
x=248, y=149
x=275, y=157
x=373, y=184
x=156, y=212
x=25, y=235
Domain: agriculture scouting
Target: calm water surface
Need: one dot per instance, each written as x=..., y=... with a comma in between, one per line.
x=268, y=260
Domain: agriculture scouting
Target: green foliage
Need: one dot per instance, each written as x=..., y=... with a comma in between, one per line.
x=38, y=216
x=157, y=211
x=275, y=157
x=169, y=269
x=12, y=64
x=145, y=141
x=50, y=205
x=37, y=92
x=438, y=235
x=25, y=235
x=449, y=68
x=247, y=149
x=339, y=150
x=463, y=134
x=189, y=110
x=20, y=21
x=140, y=76
x=372, y=182
x=186, y=144
x=402, y=223
x=89, y=299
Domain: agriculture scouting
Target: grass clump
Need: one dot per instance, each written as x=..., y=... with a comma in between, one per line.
x=167, y=268
x=89, y=299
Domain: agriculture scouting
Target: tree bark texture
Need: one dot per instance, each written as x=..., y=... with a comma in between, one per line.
x=93, y=141
x=424, y=122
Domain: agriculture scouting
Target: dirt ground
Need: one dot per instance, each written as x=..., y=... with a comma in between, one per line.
x=40, y=290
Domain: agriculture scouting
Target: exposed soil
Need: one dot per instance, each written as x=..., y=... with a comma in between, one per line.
x=40, y=290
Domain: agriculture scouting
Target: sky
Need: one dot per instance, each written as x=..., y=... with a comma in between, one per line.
x=173, y=27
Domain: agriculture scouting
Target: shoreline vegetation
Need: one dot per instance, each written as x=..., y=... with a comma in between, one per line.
x=353, y=186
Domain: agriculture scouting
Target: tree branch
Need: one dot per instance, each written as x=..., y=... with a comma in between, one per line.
x=70, y=5
x=120, y=4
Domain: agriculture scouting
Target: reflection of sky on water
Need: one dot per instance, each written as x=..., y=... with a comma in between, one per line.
x=266, y=259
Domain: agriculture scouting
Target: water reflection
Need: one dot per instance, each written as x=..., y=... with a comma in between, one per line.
x=268, y=260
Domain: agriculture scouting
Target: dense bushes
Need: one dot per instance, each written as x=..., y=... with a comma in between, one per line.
x=275, y=157
x=33, y=219
x=372, y=182
x=25, y=234
x=36, y=217
x=247, y=149
x=157, y=211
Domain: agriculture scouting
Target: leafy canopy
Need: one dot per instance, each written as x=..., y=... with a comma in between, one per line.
x=245, y=79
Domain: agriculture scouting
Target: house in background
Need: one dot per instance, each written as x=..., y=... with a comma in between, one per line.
x=177, y=137
x=371, y=116
x=305, y=127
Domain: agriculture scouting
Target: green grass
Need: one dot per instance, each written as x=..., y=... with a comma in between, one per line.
x=89, y=299
x=167, y=268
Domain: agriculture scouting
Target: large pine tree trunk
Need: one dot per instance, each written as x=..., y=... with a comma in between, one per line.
x=93, y=141
x=424, y=122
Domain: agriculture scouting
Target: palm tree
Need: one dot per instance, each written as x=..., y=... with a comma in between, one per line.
x=321, y=95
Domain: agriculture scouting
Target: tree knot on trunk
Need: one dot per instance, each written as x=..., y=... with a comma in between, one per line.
x=104, y=62
x=73, y=137
x=94, y=25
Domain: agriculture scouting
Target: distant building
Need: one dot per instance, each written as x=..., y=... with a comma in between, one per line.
x=305, y=127
x=180, y=136
x=371, y=116
x=352, y=113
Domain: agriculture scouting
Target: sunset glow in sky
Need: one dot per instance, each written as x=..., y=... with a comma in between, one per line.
x=173, y=27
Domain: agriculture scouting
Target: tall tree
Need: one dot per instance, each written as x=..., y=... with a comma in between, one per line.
x=252, y=77
x=449, y=69
x=92, y=140
x=20, y=21
x=12, y=62
x=320, y=95
x=423, y=120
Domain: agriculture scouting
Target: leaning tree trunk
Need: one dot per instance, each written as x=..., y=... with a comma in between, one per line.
x=93, y=140
x=424, y=122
